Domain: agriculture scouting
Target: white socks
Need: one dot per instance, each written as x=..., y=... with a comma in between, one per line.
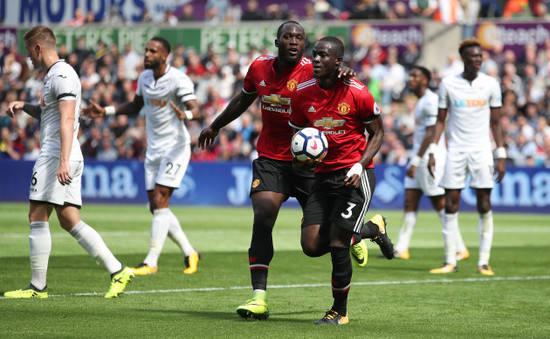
x=40, y=242
x=450, y=233
x=406, y=231
x=485, y=232
x=175, y=232
x=159, y=231
x=92, y=242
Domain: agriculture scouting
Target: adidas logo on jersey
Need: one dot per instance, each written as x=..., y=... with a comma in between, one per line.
x=262, y=83
x=311, y=109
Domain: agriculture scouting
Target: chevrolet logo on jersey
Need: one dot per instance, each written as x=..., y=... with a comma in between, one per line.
x=328, y=123
x=275, y=100
x=155, y=102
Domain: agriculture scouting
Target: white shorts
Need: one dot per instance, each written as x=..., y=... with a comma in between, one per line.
x=479, y=164
x=46, y=188
x=424, y=181
x=168, y=168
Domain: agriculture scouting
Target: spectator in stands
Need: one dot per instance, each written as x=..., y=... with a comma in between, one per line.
x=146, y=16
x=7, y=151
x=114, y=17
x=169, y=18
x=424, y=9
x=517, y=9
x=187, y=13
x=252, y=11
x=90, y=18
x=78, y=18
x=369, y=9
x=490, y=9
x=216, y=10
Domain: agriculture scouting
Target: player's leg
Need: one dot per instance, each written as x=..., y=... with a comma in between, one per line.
x=266, y=205
x=485, y=230
x=176, y=234
x=40, y=243
x=450, y=231
x=412, y=197
x=438, y=203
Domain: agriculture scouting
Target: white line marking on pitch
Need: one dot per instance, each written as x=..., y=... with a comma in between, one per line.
x=406, y=282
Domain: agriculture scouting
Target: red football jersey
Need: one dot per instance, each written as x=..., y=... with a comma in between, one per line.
x=341, y=113
x=274, y=93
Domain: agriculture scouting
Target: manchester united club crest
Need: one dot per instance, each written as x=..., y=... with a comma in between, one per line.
x=291, y=84
x=343, y=108
x=255, y=183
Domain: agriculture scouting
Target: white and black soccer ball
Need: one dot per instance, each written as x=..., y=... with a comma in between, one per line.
x=309, y=144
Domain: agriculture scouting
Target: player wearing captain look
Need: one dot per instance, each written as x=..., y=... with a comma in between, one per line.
x=273, y=79
x=161, y=91
x=472, y=102
x=56, y=179
x=344, y=181
x=419, y=180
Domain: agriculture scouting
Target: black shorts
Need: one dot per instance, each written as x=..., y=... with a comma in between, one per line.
x=331, y=202
x=279, y=176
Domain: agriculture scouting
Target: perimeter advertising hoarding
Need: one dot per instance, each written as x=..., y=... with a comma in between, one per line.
x=228, y=183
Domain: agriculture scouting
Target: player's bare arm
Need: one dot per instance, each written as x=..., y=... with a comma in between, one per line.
x=127, y=108
x=33, y=110
x=376, y=136
x=191, y=111
x=496, y=129
x=66, y=130
x=439, y=127
x=234, y=109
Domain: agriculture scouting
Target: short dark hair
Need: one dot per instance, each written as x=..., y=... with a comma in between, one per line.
x=470, y=42
x=280, y=29
x=337, y=45
x=163, y=42
x=424, y=71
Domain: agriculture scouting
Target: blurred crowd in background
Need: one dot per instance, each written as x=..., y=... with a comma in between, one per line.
x=109, y=76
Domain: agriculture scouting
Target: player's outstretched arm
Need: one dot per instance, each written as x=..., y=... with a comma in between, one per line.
x=234, y=109
x=127, y=108
x=33, y=110
x=346, y=72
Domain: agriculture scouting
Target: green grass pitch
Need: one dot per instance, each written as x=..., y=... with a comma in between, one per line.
x=388, y=299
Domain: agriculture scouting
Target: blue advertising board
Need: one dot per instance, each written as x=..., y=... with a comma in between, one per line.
x=228, y=183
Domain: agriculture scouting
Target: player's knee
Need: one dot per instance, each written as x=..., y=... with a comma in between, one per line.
x=483, y=206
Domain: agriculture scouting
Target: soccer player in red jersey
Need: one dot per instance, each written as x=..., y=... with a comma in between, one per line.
x=272, y=79
x=344, y=181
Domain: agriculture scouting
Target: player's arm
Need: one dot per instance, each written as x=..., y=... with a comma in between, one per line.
x=438, y=130
x=496, y=129
x=234, y=109
x=66, y=130
x=375, y=128
x=33, y=110
x=191, y=111
x=411, y=171
x=346, y=72
x=127, y=108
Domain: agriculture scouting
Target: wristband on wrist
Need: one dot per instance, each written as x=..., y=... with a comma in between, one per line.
x=110, y=110
x=355, y=169
x=188, y=114
x=500, y=153
x=415, y=161
x=431, y=149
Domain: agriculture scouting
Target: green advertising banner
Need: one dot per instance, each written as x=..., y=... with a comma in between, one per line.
x=198, y=38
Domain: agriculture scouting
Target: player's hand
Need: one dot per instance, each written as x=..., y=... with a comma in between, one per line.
x=353, y=177
x=64, y=173
x=179, y=112
x=411, y=171
x=500, y=169
x=304, y=165
x=207, y=137
x=346, y=72
x=431, y=165
x=14, y=107
x=93, y=111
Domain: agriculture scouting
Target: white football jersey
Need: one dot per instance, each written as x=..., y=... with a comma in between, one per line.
x=164, y=128
x=61, y=83
x=469, y=103
x=425, y=115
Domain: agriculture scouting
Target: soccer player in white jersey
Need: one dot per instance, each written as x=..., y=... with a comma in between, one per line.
x=161, y=91
x=418, y=180
x=56, y=177
x=472, y=102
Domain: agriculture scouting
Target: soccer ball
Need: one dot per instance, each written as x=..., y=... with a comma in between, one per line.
x=309, y=144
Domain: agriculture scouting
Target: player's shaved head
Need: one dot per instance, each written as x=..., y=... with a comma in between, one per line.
x=281, y=28
x=336, y=45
